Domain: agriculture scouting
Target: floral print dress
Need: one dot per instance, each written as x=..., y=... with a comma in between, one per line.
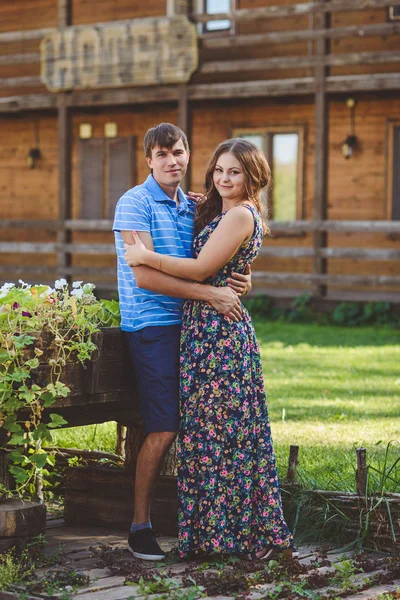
x=229, y=496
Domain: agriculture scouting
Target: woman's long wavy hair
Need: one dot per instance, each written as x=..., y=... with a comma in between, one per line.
x=257, y=177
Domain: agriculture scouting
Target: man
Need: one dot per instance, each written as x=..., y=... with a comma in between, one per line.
x=151, y=303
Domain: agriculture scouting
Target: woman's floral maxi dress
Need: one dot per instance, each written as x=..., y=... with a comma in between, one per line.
x=229, y=497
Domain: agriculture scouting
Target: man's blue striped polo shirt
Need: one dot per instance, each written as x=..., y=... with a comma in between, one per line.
x=147, y=207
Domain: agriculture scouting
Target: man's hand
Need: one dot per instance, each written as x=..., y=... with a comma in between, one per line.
x=226, y=302
x=240, y=283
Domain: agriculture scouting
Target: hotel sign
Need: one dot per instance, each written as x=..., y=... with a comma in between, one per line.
x=130, y=53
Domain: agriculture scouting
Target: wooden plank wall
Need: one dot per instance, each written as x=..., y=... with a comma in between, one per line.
x=133, y=123
x=356, y=187
x=40, y=14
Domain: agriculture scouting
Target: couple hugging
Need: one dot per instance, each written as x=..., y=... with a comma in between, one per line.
x=183, y=262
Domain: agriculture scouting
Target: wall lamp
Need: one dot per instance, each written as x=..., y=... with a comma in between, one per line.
x=32, y=156
x=350, y=143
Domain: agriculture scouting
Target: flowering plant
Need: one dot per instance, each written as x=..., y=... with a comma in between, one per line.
x=40, y=325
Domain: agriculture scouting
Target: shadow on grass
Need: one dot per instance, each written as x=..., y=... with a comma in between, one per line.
x=325, y=335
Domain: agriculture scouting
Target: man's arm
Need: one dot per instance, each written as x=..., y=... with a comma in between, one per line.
x=224, y=299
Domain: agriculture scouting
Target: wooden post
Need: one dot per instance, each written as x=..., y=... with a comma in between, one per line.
x=361, y=472
x=64, y=156
x=135, y=437
x=183, y=123
x=177, y=7
x=121, y=439
x=293, y=463
x=322, y=20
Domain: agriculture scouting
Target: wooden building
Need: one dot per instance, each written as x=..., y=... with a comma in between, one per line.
x=316, y=83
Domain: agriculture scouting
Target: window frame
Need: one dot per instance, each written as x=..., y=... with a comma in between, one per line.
x=200, y=6
x=390, y=13
x=392, y=124
x=270, y=130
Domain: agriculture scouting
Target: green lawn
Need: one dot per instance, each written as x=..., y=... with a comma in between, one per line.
x=330, y=389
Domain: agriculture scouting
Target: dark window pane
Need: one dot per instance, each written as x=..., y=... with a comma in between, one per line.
x=120, y=165
x=91, y=178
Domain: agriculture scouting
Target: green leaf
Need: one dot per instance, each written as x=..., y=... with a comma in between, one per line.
x=19, y=374
x=56, y=421
x=20, y=341
x=48, y=399
x=42, y=433
x=29, y=396
x=62, y=389
x=17, y=439
x=11, y=424
x=51, y=459
x=39, y=459
x=20, y=475
x=33, y=363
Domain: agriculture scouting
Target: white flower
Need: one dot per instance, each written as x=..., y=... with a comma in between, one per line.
x=5, y=288
x=77, y=293
x=88, y=288
x=47, y=292
x=77, y=284
x=60, y=284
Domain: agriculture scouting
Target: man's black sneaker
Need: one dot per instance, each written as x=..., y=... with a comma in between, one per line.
x=143, y=544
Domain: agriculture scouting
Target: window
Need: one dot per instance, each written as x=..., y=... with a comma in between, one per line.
x=394, y=171
x=212, y=7
x=106, y=172
x=394, y=13
x=283, y=147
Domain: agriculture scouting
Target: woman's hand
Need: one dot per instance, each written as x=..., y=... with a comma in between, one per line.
x=135, y=253
x=195, y=196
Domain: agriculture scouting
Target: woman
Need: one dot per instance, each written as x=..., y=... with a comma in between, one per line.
x=228, y=486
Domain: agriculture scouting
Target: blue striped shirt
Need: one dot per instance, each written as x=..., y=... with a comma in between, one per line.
x=147, y=207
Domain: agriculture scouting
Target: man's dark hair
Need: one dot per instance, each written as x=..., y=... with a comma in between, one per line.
x=164, y=135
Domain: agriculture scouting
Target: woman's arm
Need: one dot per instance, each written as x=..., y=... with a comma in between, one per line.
x=235, y=227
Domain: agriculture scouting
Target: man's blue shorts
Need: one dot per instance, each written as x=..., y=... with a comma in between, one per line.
x=154, y=353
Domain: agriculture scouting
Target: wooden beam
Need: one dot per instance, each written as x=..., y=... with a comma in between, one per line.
x=24, y=36
x=26, y=81
x=29, y=224
x=64, y=155
x=55, y=247
x=239, y=15
x=291, y=10
x=351, y=253
x=89, y=225
x=183, y=123
x=20, y=59
x=320, y=152
x=360, y=83
x=287, y=37
x=274, y=251
x=143, y=95
x=214, y=91
x=297, y=62
x=12, y=104
x=251, y=89
x=324, y=279
x=276, y=226
x=51, y=271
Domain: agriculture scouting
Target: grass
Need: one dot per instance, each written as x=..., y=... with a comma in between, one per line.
x=329, y=390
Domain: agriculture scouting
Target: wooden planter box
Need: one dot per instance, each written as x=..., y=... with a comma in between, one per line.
x=103, y=390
